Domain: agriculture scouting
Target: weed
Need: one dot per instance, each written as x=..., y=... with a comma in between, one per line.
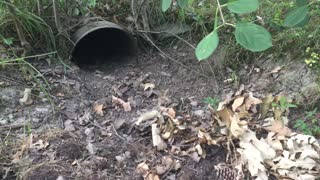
x=213, y=102
x=310, y=124
x=312, y=59
x=283, y=104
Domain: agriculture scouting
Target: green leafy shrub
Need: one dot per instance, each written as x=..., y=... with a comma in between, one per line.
x=283, y=104
x=213, y=102
x=310, y=124
x=249, y=33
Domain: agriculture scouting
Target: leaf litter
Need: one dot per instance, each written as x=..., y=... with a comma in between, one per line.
x=279, y=152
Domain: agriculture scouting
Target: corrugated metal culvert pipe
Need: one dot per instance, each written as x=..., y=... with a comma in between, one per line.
x=102, y=42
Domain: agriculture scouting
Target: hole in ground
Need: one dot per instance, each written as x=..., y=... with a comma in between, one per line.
x=104, y=45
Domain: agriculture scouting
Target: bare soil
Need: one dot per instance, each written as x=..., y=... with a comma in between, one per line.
x=116, y=145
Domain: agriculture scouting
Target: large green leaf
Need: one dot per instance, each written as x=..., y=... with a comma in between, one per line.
x=253, y=37
x=303, y=22
x=207, y=46
x=301, y=2
x=183, y=3
x=243, y=6
x=296, y=16
x=165, y=5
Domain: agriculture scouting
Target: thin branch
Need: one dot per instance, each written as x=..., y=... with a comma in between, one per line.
x=39, y=8
x=167, y=56
x=159, y=32
x=56, y=16
x=12, y=126
x=220, y=11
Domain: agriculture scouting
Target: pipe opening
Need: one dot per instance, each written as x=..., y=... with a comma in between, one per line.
x=103, y=45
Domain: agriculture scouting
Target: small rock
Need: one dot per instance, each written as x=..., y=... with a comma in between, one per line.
x=90, y=133
x=26, y=99
x=35, y=120
x=110, y=78
x=44, y=100
x=11, y=116
x=128, y=154
x=120, y=159
x=60, y=178
x=43, y=109
x=4, y=121
x=199, y=113
x=165, y=74
x=118, y=123
x=92, y=148
x=194, y=103
x=68, y=126
x=87, y=103
x=20, y=120
x=171, y=177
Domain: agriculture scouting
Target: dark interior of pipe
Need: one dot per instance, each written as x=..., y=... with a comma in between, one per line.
x=102, y=46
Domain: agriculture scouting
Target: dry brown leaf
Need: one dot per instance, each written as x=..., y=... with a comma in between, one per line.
x=152, y=177
x=276, y=70
x=171, y=112
x=148, y=86
x=98, y=109
x=200, y=151
x=205, y=137
x=266, y=105
x=167, y=164
x=251, y=101
x=242, y=112
x=226, y=116
x=279, y=128
x=147, y=116
x=237, y=103
x=277, y=114
x=157, y=141
x=254, y=153
x=60, y=95
x=143, y=168
x=167, y=129
x=39, y=145
x=195, y=156
x=235, y=128
x=117, y=101
x=239, y=92
x=274, y=141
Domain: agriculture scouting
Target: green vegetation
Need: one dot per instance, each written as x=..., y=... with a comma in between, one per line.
x=309, y=124
x=283, y=104
x=213, y=102
x=250, y=31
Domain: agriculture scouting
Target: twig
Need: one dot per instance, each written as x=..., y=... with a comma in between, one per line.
x=12, y=126
x=115, y=131
x=167, y=56
x=29, y=57
x=56, y=16
x=220, y=11
x=178, y=37
x=39, y=8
